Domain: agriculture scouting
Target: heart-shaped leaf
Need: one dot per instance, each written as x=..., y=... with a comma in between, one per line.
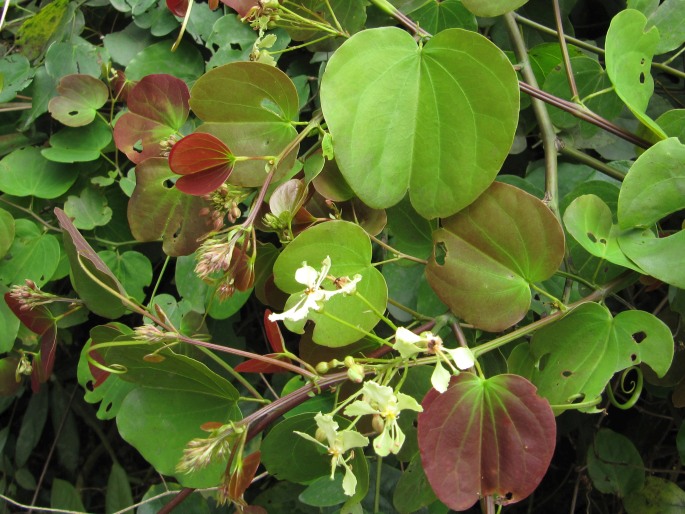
x=157, y=108
x=656, y=255
x=654, y=186
x=579, y=354
x=349, y=249
x=630, y=48
x=485, y=437
x=79, y=97
x=249, y=106
x=33, y=255
x=588, y=219
x=614, y=464
x=204, y=160
x=79, y=144
x=490, y=8
x=459, y=88
x=158, y=210
x=25, y=172
x=494, y=249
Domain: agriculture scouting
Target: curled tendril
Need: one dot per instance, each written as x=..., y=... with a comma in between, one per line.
x=117, y=369
x=634, y=389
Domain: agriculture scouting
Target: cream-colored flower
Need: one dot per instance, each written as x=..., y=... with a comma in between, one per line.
x=339, y=443
x=313, y=297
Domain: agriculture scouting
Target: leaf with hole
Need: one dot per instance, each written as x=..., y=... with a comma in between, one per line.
x=578, y=354
x=249, y=106
x=443, y=119
x=78, y=99
x=204, y=162
x=630, y=47
x=157, y=108
x=494, y=249
x=158, y=210
x=485, y=437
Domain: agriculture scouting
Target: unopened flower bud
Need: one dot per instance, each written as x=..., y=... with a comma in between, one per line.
x=334, y=363
x=349, y=361
x=320, y=435
x=377, y=423
x=356, y=373
x=322, y=368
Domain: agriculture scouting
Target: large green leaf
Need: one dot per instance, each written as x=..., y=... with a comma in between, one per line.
x=33, y=254
x=655, y=185
x=157, y=210
x=438, y=15
x=629, y=51
x=656, y=255
x=658, y=496
x=668, y=18
x=578, y=355
x=349, y=249
x=588, y=219
x=26, y=172
x=491, y=8
x=249, y=106
x=495, y=249
x=485, y=437
x=437, y=120
x=78, y=144
x=614, y=464
x=186, y=62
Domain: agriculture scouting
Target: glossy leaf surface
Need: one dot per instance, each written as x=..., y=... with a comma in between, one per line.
x=584, y=349
x=204, y=162
x=415, y=97
x=79, y=98
x=494, y=249
x=349, y=248
x=485, y=437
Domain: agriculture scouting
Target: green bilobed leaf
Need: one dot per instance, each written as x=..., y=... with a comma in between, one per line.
x=26, y=172
x=392, y=110
x=655, y=185
x=349, y=248
x=65, y=496
x=490, y=8
x=437, y=15
x=586, y=347
x=249, y=106
x=132, y=268
x=76, y=56
x=495, y=249
x=656, y=255
x=658, y=496
x=590, y=78
x=413, y=490
x=79, y=98
x=33, y=255
x=629, y=51
x=89, y=209
x=158, y=210
x=589, y=221
x=673, y=123
x=124, y=45
x=118, y=494
x=186, y=62
x=614, y=464
x=668, y=20
x=6, y=232
x=97, y=299
x=82, y=144
x=15, y=74
x=485, y=437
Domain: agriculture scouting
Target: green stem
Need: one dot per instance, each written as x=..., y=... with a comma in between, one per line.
x=584, y=158
x=158, y=282
x=32, y=214
x=376, y=311
x=597, y=93
x=564, y=51
x=377, y=495
x=396, y=252
x=557, y=303
x=354, y=327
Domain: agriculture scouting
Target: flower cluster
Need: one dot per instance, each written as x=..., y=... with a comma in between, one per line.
x=313, y=297
x=409, y=344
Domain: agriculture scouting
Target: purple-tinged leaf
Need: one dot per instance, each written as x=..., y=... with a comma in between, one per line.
x=177, y=7
x=204, y=161
x=158, y=107
x=242, y=7
x=78, y=99
x=485, y=437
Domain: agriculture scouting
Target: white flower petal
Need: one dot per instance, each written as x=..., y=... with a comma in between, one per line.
x=306, y=275
x=359, y=408
x=407, y=336
x=440, y=378
x=462, y=357
x=406, y=402
x=406, y=349
x=328, y=425
x=351, y=439
x=383, y=445
x=382, y=395
x=349, y=481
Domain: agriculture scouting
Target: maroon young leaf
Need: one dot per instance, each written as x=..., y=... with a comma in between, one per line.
x=38, y=320
x=241, y=479
x=204, y=161
x=275, y=338
x=485, y=437
x=177, y=7
x=45, y=360
x=242, y=7
x=158, y=107
x=273, y=333
x=99, y=375
x=78, y=99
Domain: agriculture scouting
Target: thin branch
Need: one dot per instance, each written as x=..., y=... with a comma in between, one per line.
x=564, y=51
x=584, y=158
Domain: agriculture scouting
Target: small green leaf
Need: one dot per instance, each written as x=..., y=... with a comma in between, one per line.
x=658, y=496
x=124, y=45
x=26, y=172
x=65, y=496
x=493, y=250
x=583, y=350
x=89, y=209
x=414, y=142
x=614, y=464
x=133, y=270
x=76, y=56
x=79, y=98
x=186, y=62
x=118, y=494
x=630, y=47
x=81, y=144
x=438, y=15
x=15, y=74
x=34, y=254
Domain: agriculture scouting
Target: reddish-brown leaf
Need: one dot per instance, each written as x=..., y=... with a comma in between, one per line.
x=273, y=333
x=275, y=338
x=38, y=320
x=177, y=7
x=242, y=7
x=242, y=478
x=204, y=161
x=480, y=438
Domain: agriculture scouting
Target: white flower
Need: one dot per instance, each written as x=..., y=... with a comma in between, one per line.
x=313, y=297
x=408, y=344
x=382, y=401
x=339, y=443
